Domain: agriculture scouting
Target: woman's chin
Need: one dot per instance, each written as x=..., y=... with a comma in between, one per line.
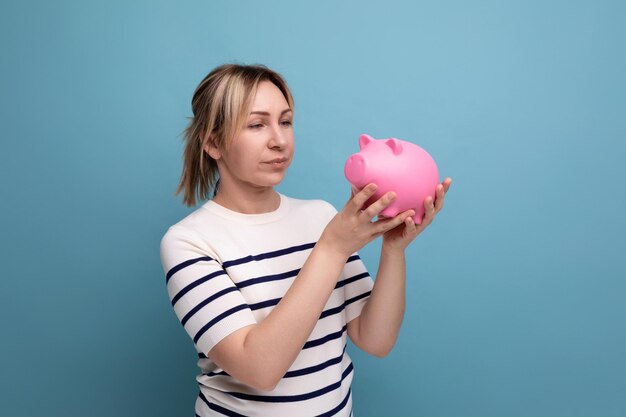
x=272, y=181
x=276, y=178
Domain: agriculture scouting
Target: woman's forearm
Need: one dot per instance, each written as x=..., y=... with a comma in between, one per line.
x=271, y=347
x=381, y=317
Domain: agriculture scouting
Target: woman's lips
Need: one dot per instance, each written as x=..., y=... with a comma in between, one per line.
x=278, y=162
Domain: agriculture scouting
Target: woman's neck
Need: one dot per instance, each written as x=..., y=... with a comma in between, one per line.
x=260, y=202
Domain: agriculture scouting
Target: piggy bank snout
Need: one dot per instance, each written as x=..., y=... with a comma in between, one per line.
x=355, y=170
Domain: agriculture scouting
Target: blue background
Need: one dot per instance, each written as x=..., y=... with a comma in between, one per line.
x=516, y=293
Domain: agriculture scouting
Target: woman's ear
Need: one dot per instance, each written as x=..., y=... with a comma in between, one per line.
x=212, y=150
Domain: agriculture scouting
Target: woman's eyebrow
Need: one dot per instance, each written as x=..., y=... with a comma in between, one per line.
x=264, y=113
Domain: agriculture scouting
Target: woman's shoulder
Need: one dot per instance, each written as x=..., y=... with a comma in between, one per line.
x=190, y=219
x=187, y=226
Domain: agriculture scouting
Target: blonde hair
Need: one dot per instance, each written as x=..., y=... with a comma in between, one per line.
x=220, y=108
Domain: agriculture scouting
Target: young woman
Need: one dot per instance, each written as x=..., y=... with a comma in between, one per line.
x=269, y=287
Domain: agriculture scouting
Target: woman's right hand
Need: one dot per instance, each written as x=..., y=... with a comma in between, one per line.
x=352, y=228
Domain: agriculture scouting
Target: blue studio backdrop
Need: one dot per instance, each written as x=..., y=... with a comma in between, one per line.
x=516, y=300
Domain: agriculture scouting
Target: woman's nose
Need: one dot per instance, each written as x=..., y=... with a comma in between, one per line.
x=278, y=138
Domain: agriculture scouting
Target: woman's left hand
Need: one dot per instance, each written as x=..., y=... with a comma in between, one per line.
x=400, y=237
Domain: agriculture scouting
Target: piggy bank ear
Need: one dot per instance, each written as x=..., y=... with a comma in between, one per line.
x=395, y=145
x=364, y=140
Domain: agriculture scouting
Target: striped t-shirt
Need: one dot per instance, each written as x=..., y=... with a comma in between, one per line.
x=226, y=270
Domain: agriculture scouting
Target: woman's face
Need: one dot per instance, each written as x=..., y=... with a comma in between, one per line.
x=260, y=155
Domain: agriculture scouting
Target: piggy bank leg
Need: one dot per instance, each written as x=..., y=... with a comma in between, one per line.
x=390, y=212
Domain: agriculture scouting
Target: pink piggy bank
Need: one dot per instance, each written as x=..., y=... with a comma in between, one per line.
x=398, y=166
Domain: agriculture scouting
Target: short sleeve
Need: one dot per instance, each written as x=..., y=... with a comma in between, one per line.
x=204, y=298
x=358, y=286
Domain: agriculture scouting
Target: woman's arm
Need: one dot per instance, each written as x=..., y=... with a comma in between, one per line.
x=259, y=355
x=376, y=330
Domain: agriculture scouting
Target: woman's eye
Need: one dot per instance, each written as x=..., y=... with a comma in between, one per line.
x=255, y=126
x=286, y=122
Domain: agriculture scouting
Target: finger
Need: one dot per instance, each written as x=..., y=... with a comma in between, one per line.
x=430, y=210
x=446, y=184
x=419, y=228
x=379, y=205
x=410, y=227
x=440, y=197
x=382, y=226
x=361, y=197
